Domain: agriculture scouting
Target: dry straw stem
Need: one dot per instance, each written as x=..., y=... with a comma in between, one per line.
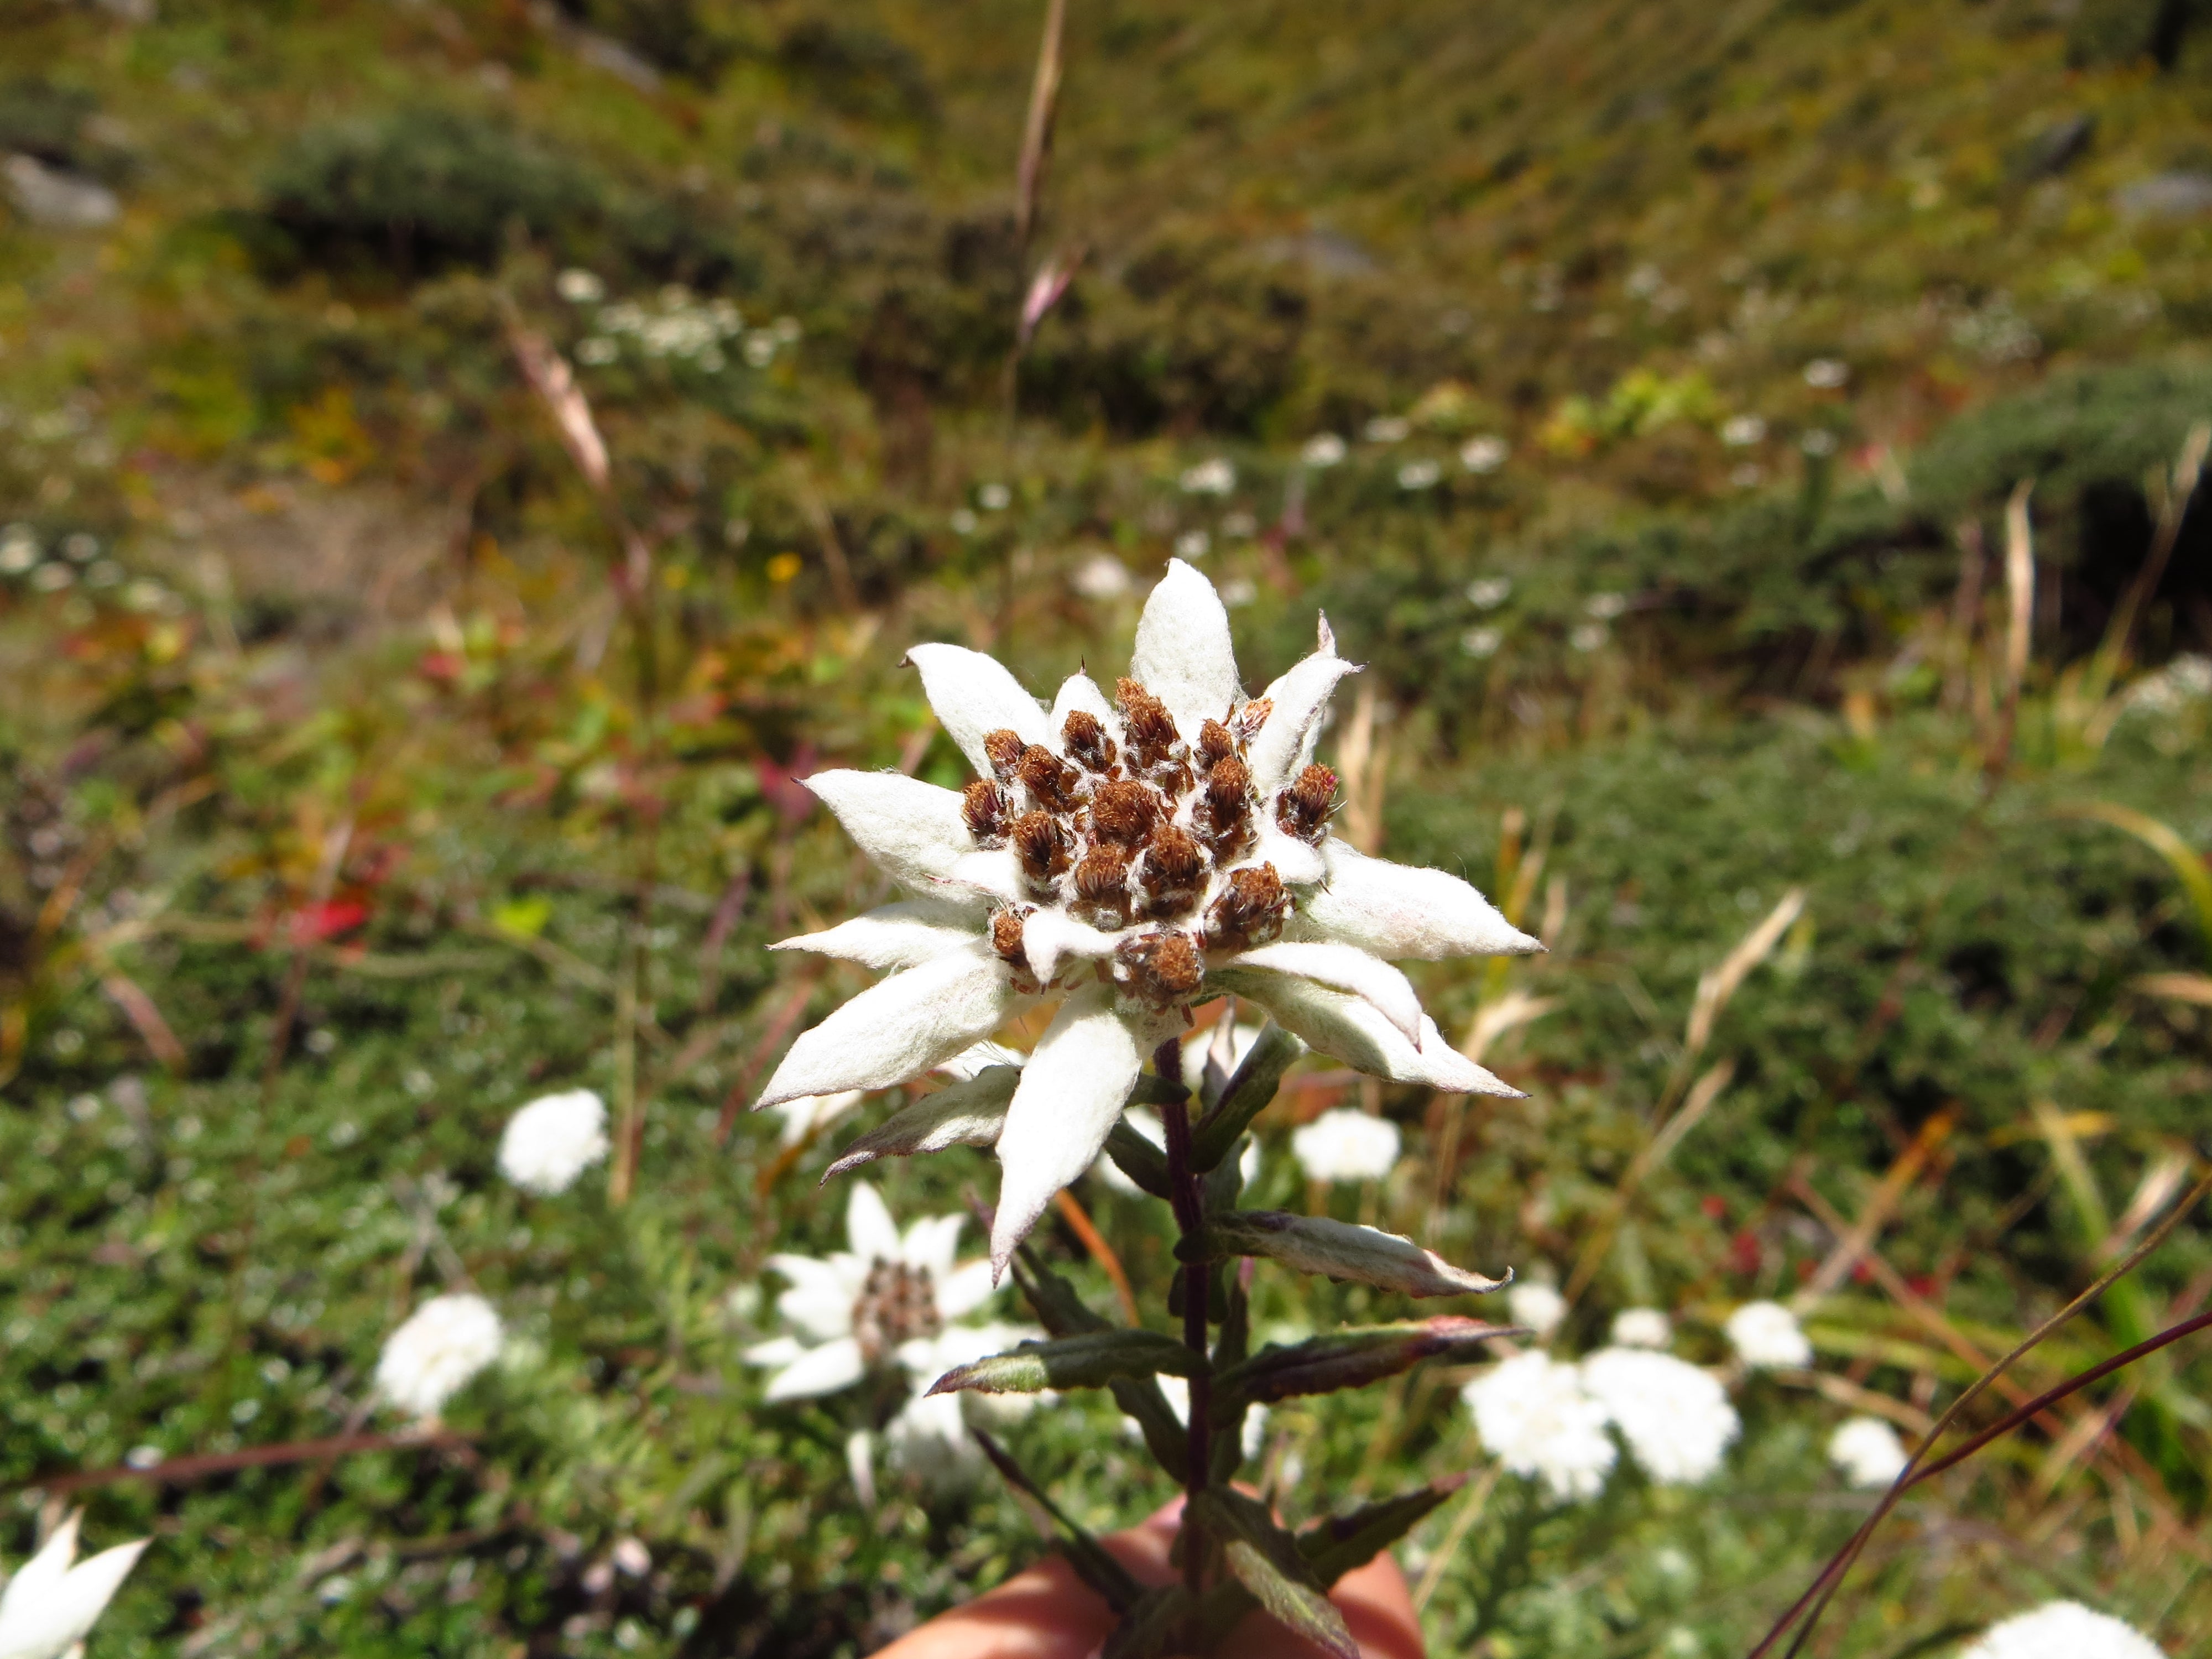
x=1362, y=759
x=1822, y=1590
x=2164, y=839
x=1853, y=1242
x=1036, y=130
x=2179, y=988
x=1470, y=1511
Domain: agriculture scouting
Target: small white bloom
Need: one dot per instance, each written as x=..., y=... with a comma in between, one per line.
x=1237, y=526
x=1588, y=637
x=1536, y=1305
x=963, y=521
x=1216, y=476
x=444, y=1343
x=1605, y=606
x=1766, y=1334
x=1819, y=442
x=1324, y=449
x=1641, y=1327
x=1192, y=544
x=579, y=287
x=1238, y=591
x=993, y=497
x=1741, y=431
x=49, y=1605
x=1537, y=1419
x=1480, y=642
x=1387, y=429
x=2063, y=1630
x=1488, y=593
x=1347, y=1146
x=553, y=1140
x=1100, y=576
x=1484, y=454
x=1868, y=1451
x=1419, y=474
x=1826, y=373
x=1675, y=1418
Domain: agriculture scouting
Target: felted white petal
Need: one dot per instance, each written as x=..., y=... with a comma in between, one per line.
x=1297, y=862
x=1346, y=967
x=1071, y=1092
x=929, y=1437
x=819, y=1301
x=982, y=877
x=54, y=1620
x=869, y=1228
x=890, y=936
x=964, y=1290
x=825, y=1369
x=975, y=695
x=970, y=1060
x=1400, y=911
x=931, y=1244
x=1081, y=691
x=1353, y=1030
x=1284, y=744
x=777, y=1350
x=913, y=832
x=899, y=1029
x=38, y=1578
x=1182, y=654
x=1051, y=939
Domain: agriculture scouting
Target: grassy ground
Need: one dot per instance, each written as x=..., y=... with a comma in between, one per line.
x=348, y=806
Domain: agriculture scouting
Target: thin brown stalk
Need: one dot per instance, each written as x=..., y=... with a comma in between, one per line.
x=175, y=1471
x=1036, y=130
x=2181, y=488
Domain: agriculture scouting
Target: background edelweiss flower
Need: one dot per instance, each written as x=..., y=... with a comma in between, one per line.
x=443, y=1343
x=553, y=1140
x=1868, y=1451
x=2063, y=1630
x=1132, y=857
x=1675, y=1418
x=1537, y=1419
x=1538, y=1306
x=866, y=1305
x=49, y=1605
x=1347, y=1146
x=1641, y=1327
x=1766, y=1334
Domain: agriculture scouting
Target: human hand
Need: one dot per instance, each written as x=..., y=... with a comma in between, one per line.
x=1048, y=1612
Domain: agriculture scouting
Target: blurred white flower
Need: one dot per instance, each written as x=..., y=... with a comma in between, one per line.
x=553, y=1140
x=1419, y=474
x=1484, y=454
x=1675, y=1418
x=1192, y=544
x=1481, y=642
x=1237, y=592
x=1818, y=442
x=963, y=521
x=49, y=1605
x=1387, y=429
x=444, y=1343
x=1766, y=1334
x=1324, y=449
x=1488, y=593
x=1536, y=1305
x=1237, y=526
x=1536, y=1418
x=2185, y=679
x=52, y=578
x=579, y=287
x=993, y=497
x=1741, y=431
x=1100, y=576
x=1641, y=1327
x=1826, y=373
x=1347, y=1146
x=1216, y=476
x=758, y=350
x=19, y=550
x=2063, y=1630
x=1605, y=606
x=1868, y=1451
x=1588, y=637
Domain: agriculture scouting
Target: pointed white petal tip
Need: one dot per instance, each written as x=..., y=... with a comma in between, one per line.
x=1325, y=637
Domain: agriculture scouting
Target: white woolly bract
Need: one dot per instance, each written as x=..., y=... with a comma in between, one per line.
x=1675, y=1418
x=2063, y=1630
x=1767, y=1334
x=553, y=1140
x=1868, y=1451
x=444, y=1343
x=51, y=1604
x=1347, y=1146
x=1536, y=1418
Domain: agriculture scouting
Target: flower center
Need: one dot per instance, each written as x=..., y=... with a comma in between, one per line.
x=1135, y=830
x=896, y=1303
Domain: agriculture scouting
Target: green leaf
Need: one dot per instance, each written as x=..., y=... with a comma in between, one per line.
x=1350, y=1358
x=968, y=1113
x=1247, y=1096
x=523, y=918
x=1090, y=1360
x=1166, y=1437
x=1058, y=1308
x=1138, y=1159
x=1315, y=1244
x=1153, y=1628
x=1265, y=1560
x=1089, y=1559
x=1339, y=1544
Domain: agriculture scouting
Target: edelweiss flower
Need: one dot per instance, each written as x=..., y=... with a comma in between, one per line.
x=1132, y=857
x=1868, y=1451
x=553, y=1140
x=49, y=1605
x=1766, y=1334
x=1347, y=1146
x=444, y=1343
x=1675, y=1418
x=2063, y=1630
x=1535, y=1417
